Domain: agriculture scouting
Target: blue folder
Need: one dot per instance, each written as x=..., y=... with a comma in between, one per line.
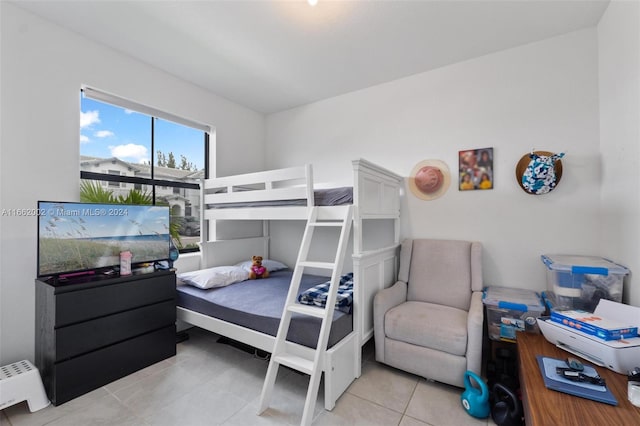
x=584, y=390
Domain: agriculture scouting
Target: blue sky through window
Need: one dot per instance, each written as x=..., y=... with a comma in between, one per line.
x=109, y=131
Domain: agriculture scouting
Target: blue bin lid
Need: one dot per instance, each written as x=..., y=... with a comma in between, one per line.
x=577, y=264
x=518, y=299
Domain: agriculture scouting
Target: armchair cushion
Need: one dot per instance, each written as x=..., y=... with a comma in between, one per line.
x=428, y=325
x=443, y=273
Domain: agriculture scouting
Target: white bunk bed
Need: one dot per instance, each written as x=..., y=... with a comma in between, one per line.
x=376, y=195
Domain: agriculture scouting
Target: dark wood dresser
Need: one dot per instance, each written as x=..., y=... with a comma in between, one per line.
x=92, y=331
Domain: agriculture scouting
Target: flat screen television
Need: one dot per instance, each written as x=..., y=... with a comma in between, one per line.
x=88, y=237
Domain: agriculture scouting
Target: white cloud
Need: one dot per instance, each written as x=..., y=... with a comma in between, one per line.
x=103, y=133
x=128, y=111
x=88, y=118
x=84, y=139
x=130, y=152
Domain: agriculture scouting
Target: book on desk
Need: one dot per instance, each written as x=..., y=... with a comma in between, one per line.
x=584, y=390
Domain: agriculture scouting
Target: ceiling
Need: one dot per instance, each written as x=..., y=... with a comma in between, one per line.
x=275, y=55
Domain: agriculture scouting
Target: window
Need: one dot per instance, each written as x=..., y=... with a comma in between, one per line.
x=112, y=183
x=144, y=156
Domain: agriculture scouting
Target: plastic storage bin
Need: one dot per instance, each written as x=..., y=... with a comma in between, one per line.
x=579, y=282
x=510, y=310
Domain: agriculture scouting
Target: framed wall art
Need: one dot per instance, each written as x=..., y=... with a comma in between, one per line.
x=475, y=169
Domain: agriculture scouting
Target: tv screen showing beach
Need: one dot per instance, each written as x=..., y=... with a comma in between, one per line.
x=76, y=237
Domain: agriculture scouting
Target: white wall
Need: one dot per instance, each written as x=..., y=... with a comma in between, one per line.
x=42, y=69
x=619, y=88
x=542, y=95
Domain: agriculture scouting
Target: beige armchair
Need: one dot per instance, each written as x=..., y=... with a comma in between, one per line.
x=429, y=322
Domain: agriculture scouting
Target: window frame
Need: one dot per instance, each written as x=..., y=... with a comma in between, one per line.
x=110, y=180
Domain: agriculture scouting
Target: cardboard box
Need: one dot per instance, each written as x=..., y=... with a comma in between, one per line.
x=602, y=323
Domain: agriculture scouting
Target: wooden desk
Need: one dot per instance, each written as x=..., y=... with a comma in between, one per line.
x=544, y=406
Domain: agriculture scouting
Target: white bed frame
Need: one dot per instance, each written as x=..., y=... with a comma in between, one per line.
x=376, y=195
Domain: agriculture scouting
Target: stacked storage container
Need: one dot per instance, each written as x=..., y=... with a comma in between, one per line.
x=579, y=282
x=510, y=310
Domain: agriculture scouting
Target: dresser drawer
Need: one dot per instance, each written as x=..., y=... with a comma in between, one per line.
x=80, y=375
x=89, y=303
x=84, y=337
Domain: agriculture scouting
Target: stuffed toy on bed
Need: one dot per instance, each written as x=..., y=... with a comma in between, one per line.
x=257, y=270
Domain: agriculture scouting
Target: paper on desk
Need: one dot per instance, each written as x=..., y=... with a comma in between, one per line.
x=618, y=312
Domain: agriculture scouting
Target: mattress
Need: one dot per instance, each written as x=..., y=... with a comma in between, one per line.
x=258, y=305
x=322, y=197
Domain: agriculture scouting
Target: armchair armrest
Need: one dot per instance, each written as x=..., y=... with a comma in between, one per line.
x=474, y=332
x=383, y=301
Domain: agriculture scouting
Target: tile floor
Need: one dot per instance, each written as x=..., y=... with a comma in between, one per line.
x=210, y=383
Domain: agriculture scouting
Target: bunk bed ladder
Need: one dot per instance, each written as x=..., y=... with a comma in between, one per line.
x=280, y=356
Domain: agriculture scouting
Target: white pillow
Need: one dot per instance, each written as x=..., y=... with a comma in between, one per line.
x=218, y=276
x=271, y=265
